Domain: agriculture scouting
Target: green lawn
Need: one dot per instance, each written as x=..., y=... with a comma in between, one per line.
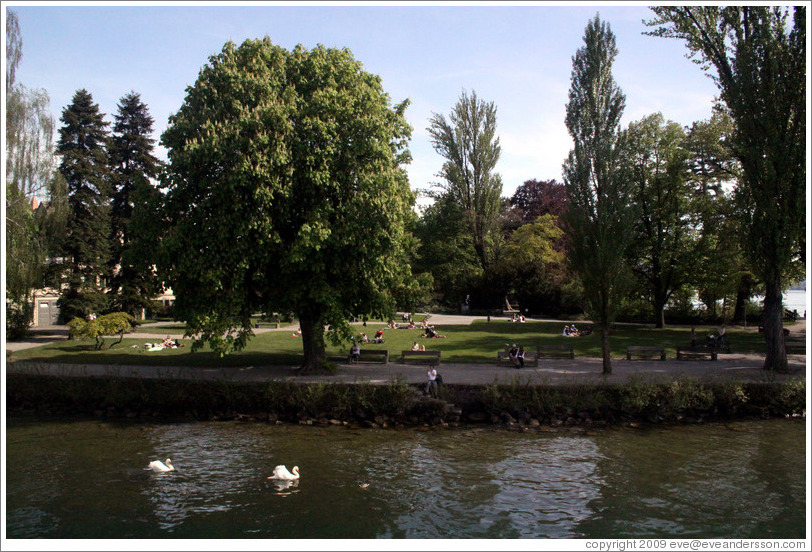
x=477, y=343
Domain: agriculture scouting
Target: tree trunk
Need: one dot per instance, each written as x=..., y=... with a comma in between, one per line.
x=607, y=360
x=312, y=343
x=774, y=327
x=659, y=311
x=743, y=293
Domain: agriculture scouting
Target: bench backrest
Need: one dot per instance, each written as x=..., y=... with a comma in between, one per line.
x=421, y=353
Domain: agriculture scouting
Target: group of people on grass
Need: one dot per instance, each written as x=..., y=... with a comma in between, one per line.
x=167, y=343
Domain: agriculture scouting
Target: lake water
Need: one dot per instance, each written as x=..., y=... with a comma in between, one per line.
x=85, y=479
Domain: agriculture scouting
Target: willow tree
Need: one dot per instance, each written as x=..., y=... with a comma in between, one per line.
x=759, y=60
x=30, y=178
x=284, y=192
x=600, y=217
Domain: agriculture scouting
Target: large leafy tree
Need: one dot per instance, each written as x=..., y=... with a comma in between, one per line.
x=721, y=269
x=600, y=215
x=135, y=169
x=661, y=251
x=82, y=145
x=284, y=192
x=468, y=142
x=758, y=56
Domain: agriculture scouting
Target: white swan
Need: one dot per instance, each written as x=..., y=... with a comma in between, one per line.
x=158, y=466
x=281, y=472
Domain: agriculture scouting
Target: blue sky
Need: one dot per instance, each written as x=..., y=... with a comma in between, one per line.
x=518, y=56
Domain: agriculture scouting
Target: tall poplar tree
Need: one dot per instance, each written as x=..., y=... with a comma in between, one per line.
x=600, y=216
x=133, y=280
x=82, y=145
x=758, y=54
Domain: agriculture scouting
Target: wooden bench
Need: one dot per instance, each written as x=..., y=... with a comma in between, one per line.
x=689, y=353
x=645, y=351
x=556, y=351
x=430, y=357
x=373, y=355
x=530, y=358
x=795, y=347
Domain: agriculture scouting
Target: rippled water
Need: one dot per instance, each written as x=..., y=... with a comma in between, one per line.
x=86, y=479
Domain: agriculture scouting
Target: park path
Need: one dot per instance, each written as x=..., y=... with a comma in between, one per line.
x=729, y=367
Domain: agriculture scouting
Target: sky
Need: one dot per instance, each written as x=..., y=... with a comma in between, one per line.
x=516, y=55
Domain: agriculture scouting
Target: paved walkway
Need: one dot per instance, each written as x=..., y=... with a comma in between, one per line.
x=732, y=367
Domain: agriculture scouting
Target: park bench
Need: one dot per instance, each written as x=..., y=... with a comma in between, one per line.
x=373, y=355
x=530, y=358
x=690, y=353
x=556, y=351
x=645, y=351
x=431, y=357
x=795, y=347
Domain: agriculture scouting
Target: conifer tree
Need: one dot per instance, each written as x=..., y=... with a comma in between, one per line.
x=83, y=147
x=134, y=170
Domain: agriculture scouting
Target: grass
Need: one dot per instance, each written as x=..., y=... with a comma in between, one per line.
x=476, y=343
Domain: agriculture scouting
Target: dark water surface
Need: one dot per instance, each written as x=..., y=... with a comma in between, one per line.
x=86, y=479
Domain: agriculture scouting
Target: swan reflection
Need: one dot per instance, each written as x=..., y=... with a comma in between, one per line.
x=284, y=487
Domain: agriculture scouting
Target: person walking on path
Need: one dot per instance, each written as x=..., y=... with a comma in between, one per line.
x=431, y=381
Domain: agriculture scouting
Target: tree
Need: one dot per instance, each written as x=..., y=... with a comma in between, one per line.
x=534, y=199
x=759, y=63
x=600, y=215
x=446, y=251
x=83, y=146
x=96, y=327
x=537, y=268
x=721, y=269
x=661, y=251
x=467, y=141
x=284, y=192
x=29, y=181
x=134, y=168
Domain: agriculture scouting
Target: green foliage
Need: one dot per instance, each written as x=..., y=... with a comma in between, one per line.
x=758, y=54
x=446, y=251
x=600, y=215
x=791, y=398
x=467, y=141
x=134, y=200
x=688, y=394
x=100, y=326
x=662, y=249
x=82, y=146
x=284, y=192
x=29, y=163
